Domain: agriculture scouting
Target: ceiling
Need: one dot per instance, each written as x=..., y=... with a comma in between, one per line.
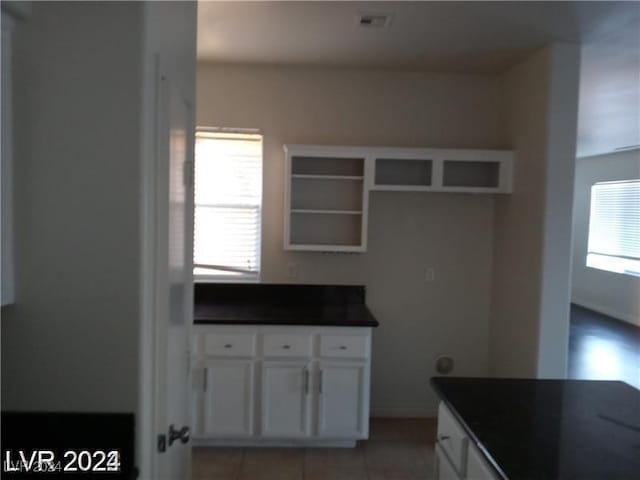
x=474, y=37
x=469, y=37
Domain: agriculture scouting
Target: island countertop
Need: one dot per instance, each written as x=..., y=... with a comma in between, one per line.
x=549, y=429
x=269, y=304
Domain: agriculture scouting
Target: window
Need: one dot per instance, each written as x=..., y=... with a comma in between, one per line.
x=614, y=227
x=228, y=205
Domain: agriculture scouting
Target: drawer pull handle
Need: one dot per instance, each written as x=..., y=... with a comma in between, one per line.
x=444, y=437
x=228, y=345
x=286, y=347
x=342, y=347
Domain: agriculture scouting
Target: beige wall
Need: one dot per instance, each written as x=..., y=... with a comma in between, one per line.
x=531, y=269
x=610, y=293
x=70, y=341
x=407, y=231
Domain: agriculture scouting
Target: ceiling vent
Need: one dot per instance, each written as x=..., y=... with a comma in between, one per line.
x=374, y=20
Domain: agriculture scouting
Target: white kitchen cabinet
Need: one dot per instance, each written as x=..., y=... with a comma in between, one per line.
x=456, y=456
x=228, y=408
x=281, y=385
x=285, y=399
x=229, y=397
x=477, y=468
x=343, y=404
x=444, y=470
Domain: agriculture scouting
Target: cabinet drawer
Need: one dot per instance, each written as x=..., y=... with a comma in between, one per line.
x=286, y=345
x=344, y=346
x=452, y=439
x=230, y=344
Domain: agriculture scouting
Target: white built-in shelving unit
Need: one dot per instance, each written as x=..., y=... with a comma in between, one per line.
x=327, y=187
x=326, y=199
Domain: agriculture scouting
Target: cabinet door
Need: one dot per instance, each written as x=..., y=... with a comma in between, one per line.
x=198, y=386
x=343, y=399
x=228, y=398
x=477, y=468
x=285, y=399
x=443, y=468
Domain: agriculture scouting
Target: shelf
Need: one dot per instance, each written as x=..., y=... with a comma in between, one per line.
x=402, y=172
x=320, y=194
x=327, y=188
x=329, y=228
x=327, y=177
x=476, y=174
x=326, y=165
x=328, y=212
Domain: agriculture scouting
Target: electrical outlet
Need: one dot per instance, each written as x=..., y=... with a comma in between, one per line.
x=429, y=274
x=292, y=270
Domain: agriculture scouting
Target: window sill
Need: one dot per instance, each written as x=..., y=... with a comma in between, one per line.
x=624, y=266
x=224, y=279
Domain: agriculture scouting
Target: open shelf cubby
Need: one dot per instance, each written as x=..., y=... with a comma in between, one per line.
x=327, y=166
x=319, y=194
x=402, y=172
x=325, y=229
x=478, y=174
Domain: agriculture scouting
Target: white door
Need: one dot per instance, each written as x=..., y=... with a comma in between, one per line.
x=286, y=399
x=342, y=409
x=228, y=398
x=174, y=278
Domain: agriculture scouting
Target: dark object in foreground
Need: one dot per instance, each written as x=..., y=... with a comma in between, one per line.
x=44, y=445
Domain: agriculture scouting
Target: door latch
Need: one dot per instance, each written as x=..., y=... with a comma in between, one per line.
x=162, y=443
x=182, y=434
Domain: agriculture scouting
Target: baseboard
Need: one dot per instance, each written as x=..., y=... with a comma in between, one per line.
x=404, y=412
x=266, y=442
x=625, y=317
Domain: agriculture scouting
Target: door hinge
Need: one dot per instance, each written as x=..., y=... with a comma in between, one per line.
x=162, y=443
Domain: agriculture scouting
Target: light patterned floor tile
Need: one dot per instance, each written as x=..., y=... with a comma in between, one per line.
x=334, y=473
x=257, y=471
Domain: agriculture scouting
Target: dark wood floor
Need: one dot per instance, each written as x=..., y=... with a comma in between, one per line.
x=603, y=348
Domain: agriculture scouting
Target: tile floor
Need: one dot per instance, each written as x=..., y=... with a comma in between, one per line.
x=397, y=449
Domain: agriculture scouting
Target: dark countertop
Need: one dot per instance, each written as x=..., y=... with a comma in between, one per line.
x=281, y=304
x=549, y=429
x=330, y=315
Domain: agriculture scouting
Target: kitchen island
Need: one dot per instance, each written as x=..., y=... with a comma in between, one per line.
x=537, y=429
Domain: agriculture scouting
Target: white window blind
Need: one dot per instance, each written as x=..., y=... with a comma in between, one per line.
x=228, y=205
x=614, y=227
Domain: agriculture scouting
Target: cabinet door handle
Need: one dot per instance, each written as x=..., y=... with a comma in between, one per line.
x=320, y=381
x=442, y=438
x=228, y=345
x=306, y=381
x=286, y=347
x=342, y=347
x=204, y=380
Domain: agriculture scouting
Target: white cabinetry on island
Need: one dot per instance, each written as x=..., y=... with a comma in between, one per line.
x=456, y=456
x=280, y=385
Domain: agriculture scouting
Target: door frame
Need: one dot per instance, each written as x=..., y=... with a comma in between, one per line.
x=152, y=331
x=146, y=415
